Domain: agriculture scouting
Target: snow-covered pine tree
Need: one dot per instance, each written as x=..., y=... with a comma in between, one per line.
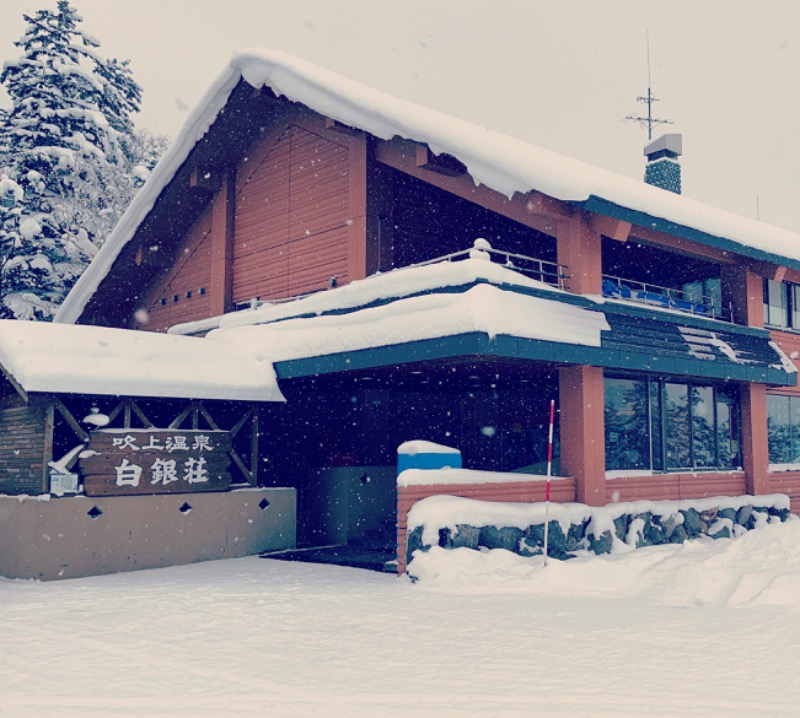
x=67, y=145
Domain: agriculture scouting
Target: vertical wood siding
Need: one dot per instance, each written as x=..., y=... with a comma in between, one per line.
x=291, y=224
x=189, y=281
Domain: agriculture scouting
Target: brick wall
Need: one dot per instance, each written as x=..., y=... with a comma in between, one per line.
x=22, y=442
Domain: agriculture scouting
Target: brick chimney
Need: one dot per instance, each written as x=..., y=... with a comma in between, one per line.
x=663, y=169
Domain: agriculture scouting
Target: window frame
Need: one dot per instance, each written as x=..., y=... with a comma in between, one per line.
x=792, y=412
x=727, y=452
x=784, y=314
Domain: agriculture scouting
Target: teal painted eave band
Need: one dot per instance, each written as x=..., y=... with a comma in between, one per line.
x=477, y=344
x=610, y=209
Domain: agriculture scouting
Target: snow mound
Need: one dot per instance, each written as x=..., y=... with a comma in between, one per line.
x=761, y=568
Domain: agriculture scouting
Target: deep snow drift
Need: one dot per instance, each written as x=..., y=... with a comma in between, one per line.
x=707, y=628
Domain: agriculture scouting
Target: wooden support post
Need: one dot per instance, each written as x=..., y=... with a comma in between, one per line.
x=222, y=232
x=755, y=449
x=357, y=210
x=743, y=289
x=49, y=428
x=582, y=428
x=579, y=250
x=254, y=456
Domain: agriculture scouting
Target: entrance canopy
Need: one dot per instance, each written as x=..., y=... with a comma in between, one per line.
x=66, y=358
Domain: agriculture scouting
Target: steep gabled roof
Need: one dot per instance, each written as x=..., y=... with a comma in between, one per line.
x=503, y=163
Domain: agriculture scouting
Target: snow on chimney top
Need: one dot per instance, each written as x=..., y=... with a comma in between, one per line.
x=663, y=169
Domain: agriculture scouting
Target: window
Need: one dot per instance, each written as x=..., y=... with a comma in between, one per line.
x=782, y=304
x=783, y=429
x=657, y=425
x=627, y=421
x=706, y=293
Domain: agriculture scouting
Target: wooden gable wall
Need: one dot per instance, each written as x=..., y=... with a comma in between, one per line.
x=287, y=219
x=292, y=218
x=184, y=295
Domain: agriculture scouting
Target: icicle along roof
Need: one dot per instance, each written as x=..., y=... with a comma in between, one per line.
x=500, y=162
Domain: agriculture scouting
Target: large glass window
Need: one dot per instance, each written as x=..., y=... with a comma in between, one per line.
x=783, y=429
x=653, y=424
x=676, y=409
x=782, y=304
x=728, y=429
x=626, y=418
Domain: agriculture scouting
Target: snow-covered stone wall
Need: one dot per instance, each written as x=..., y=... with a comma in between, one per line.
x=455, y=522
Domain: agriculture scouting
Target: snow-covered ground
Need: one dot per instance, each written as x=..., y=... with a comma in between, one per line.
x=707, y=628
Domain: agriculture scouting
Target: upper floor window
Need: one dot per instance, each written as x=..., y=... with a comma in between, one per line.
x=781, y=304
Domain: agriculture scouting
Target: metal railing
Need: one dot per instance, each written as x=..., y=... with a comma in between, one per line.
x=547, y=272
x=654, y=295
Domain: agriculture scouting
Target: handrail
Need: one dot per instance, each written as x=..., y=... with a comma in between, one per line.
x=655, y=295
x=547, y=272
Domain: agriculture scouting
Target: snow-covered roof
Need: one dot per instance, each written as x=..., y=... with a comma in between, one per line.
x=483, y=308
x=43, y=357
x=503, y=163
x=378, y=288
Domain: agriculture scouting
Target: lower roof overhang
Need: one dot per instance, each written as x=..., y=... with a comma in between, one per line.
x=619, y=356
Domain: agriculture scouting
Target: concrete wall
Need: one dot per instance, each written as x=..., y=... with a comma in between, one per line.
x=57, y=538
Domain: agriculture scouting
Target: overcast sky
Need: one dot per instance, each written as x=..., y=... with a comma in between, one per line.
x=558, y=74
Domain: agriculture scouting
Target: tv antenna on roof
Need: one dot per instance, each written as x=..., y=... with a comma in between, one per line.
x=648, y=121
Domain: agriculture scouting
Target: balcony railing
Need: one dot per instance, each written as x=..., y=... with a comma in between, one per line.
x=654, y=295
x=533, y=267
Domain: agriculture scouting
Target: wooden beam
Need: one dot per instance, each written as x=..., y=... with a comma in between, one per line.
x=205, y=179
x=71, y=421
x=337, y=126
x=178, y=420
x=443, y=164
x=254, y=456
x=610, y=227
x=533, y=209
x=136, y=410
x=47, y=457
x=213, y=424
x=653, y=237
x=15, y=384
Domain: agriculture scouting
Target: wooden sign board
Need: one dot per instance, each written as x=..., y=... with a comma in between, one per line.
x=119, y=462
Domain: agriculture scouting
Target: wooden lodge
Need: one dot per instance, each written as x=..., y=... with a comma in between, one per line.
x=329, y=231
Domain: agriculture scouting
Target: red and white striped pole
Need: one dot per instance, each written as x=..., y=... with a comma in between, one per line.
x=549, y=473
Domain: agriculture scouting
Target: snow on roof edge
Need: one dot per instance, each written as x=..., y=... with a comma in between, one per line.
x=197, y=124
x=522, y=167
x=48, y=358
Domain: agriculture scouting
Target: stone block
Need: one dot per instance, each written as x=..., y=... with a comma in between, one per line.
x=602, y=543
x=507, y=538
x=743, y=516
x=465, y=537
x=692, y=523
x=727, y=513
x=621, y=526
x=679, y=535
